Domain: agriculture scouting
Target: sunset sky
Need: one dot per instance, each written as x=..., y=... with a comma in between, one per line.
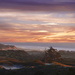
x=37, y=21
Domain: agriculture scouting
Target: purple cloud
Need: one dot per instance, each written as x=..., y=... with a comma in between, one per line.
x=34, y=5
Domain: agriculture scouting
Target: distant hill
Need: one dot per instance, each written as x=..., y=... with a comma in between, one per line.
x=7, y=47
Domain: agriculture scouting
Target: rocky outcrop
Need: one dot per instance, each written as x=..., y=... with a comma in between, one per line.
x=52, y=55
x=7, y=47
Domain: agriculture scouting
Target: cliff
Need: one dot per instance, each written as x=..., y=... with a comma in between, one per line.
x=7, y=47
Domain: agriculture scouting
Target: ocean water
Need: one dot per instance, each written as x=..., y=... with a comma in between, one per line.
x=44, y=46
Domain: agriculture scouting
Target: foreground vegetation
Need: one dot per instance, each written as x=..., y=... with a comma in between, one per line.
x=38, y=67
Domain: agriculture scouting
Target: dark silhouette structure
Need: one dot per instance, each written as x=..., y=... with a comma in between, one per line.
x=52, y=55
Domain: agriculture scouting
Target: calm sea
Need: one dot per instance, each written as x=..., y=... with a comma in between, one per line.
x=44, y=46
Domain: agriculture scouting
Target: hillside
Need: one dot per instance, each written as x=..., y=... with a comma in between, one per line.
x=16, y=54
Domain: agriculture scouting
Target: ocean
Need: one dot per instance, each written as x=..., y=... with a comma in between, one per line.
x=43, y=46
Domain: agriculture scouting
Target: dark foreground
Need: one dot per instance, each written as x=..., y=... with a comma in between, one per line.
x=41, y=70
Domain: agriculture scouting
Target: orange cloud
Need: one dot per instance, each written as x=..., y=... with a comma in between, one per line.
x=37, y=27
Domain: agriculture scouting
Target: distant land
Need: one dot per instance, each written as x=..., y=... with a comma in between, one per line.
x=7, y=47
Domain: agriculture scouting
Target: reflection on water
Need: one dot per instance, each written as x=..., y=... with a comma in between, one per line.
x=12, y=67
x=26, y=67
